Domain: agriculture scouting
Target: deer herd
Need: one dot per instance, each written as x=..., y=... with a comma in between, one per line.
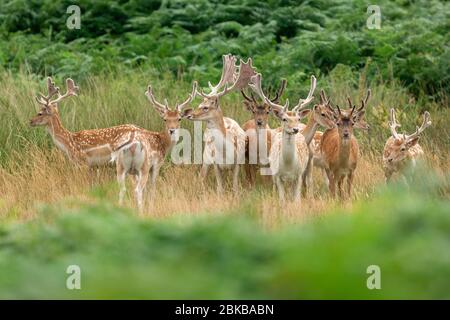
x=286, y=154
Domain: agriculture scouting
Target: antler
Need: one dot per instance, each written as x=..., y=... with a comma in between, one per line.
x=51, y=91
x=393, y=124
x=255, y=84
x=71, y=90
x=278, y=94
x=189, y=99
x=238, y=80
x=303, y=102
x=280, y=91
x=158, y=106
x=425, y=124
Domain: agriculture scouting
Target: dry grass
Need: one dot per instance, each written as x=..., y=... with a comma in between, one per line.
x=47, y=177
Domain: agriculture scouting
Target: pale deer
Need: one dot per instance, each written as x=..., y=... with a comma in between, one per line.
x=258, y=133
x=401, y=150
x=339, y=148
x=224, y=138
x=325, y=104
x=144, y=153
x=86, y=147
x=289, y=152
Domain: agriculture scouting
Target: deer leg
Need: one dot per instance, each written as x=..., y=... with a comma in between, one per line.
x=340, y=181
x=280, y=188
x=236, y=179
x=204, y=171
x=141, y=181
x=298, y=187
x=121, y=175
x=219, y=180
x=249, y=174
x=349, y=184
x=154, y=176
x=331, y=182
x=307, y=177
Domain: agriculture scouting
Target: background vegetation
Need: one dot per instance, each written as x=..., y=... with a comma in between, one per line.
x=53, y=214
x=286, y=38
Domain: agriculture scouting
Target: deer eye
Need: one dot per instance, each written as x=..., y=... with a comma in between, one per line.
x=403, y=149
x=179, y=119
x=205, y=108
x=285, y=120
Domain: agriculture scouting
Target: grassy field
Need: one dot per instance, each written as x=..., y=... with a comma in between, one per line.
x=53, y=214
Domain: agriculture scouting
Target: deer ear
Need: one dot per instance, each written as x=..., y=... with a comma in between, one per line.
x=186, y=112
x=412, y=142
x=303, y=113
x=278, y=113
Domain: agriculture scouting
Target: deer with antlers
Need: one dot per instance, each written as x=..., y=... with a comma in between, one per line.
x=289, y=152
x=328, y=111
x=339, y=147
x=401, y=150
x=144, y=153
x=87, y=147
x=258, y=132
x=224, y=138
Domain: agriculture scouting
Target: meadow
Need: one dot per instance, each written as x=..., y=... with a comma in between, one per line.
x=53, y=214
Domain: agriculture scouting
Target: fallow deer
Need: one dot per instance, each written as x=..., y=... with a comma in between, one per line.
x=289, y=152
x=258, y=133
x=86, y=147
x=401, y=150
x=339, y=148
x=224, y=138
x=325, y=104
x=146, y=150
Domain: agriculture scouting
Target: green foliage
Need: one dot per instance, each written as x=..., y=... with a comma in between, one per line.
x=122, y=256
x=284, y=37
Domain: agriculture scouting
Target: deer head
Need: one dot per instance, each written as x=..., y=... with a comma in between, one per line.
x=171, y=117
x=398, y=150
x=233, y=78
x=261, y=110
x=360, y=122
x=323, y=113
x=290, y=119
x=49, y=107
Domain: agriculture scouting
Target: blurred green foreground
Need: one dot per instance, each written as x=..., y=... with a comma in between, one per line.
x=404, y=231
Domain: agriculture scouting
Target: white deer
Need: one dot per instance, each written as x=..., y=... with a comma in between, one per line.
x=289, y=152
x=224, y=138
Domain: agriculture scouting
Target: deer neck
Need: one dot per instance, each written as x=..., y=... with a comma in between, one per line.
x=61, y=136
x=166, y=141
x=288, y=147
x=310, y=129
x=217, y=123
x=344, y=150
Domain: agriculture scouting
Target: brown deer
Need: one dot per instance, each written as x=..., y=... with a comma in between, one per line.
x=224, y=138
x=258, y=133
x=146, y=150
x=325, y=104
x=340, y=150
x=401, y=150
x=86, y=147
x=289, y=152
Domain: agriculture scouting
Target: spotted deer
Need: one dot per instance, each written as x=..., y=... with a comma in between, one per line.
x=144, y=153
x=289, y=152
x=401, y=150
x=224, y=138
x=339, y=148
x=87, y=147
x=258, y=132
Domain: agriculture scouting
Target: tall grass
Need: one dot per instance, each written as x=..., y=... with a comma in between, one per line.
x=33, y=171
